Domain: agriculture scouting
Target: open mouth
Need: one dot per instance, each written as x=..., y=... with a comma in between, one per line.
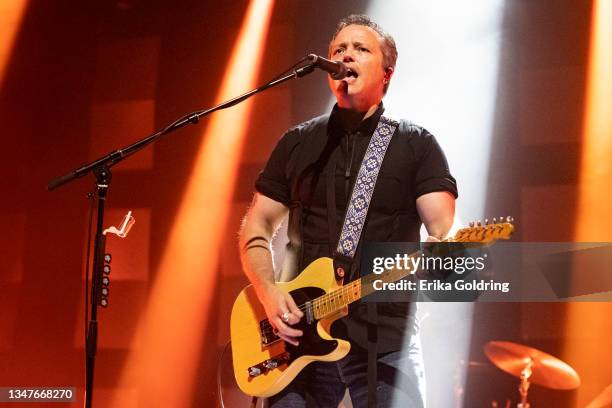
x=351, y=73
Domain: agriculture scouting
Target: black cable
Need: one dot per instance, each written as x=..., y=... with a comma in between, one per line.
x=219, y=362
x=219, y=388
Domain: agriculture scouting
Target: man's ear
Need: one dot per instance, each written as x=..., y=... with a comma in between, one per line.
x=388, y=74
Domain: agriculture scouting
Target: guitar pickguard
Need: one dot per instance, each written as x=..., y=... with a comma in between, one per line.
x=310, y=343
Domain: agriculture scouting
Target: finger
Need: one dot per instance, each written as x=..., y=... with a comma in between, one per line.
x=293, y=319
x=286, y=330
x=285, y=314
x=293, y=313
x=432, y=239
x=293, y=308
x=289, y=340
x=289, y=318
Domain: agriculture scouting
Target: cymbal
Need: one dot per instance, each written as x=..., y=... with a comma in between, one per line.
x=546, y=370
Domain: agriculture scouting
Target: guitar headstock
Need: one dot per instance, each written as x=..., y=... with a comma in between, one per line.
x=487, y=232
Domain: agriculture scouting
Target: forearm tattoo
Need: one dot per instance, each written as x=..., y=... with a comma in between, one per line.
x=256, y=242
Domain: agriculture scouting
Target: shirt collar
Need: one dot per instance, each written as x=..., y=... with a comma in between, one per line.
x=365, y=128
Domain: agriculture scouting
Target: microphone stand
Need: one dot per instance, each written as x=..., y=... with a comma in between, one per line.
x=101, y=170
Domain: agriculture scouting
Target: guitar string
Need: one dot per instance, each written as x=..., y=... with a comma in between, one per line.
x=316, y=303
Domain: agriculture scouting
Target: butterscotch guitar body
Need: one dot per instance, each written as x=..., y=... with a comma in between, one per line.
x=263, y=364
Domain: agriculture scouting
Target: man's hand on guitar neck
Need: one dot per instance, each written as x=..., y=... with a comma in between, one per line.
x=282, y=312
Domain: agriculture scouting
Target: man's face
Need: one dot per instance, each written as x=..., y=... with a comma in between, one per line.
x=359, y=47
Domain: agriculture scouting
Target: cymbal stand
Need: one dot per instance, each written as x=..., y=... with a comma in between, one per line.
x=524, y=385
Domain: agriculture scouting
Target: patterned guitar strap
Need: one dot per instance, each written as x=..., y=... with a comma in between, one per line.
x=359, y=203
x=354, y=222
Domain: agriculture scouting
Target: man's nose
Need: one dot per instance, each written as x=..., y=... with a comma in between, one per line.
x=347, y=57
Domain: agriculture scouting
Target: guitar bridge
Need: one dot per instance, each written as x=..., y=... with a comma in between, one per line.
x=268, y=365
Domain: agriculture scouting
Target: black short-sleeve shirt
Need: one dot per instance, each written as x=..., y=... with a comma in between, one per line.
x=300, y=168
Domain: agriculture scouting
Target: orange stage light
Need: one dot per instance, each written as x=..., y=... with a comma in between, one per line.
x=173, y=326
x=11, y=14
x=594, y=221
x=589, y=324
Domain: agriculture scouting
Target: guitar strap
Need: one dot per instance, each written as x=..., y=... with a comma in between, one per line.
x=359, y=203
x=354, y=222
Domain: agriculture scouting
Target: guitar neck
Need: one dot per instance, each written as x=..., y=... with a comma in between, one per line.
x=334, y=301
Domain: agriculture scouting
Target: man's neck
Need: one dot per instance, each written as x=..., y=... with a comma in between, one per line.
x=350, y=119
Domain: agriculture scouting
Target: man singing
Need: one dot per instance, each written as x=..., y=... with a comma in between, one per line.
x=310, y=177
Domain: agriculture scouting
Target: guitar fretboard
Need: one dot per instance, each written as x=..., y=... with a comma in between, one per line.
x=334, y=301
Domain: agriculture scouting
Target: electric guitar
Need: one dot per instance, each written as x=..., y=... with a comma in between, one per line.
x=264, y=364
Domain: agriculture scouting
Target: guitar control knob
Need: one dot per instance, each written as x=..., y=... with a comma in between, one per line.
x=478, y=223
x=486, y=221
x=471, y=224
x=271, y=363
x=509, y=219
x=254, y=371
x=494, y=220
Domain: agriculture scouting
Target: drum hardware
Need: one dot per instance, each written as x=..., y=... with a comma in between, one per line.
x=531, y=365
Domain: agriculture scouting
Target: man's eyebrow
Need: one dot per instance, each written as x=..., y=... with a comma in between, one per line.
x=344, y=44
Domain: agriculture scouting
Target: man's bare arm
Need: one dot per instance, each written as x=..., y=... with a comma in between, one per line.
x=259, y=226
x=437, y=211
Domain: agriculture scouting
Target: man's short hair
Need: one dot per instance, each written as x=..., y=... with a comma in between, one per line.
x=388, y=47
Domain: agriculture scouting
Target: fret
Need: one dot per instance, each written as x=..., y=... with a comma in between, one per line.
x=324, y=305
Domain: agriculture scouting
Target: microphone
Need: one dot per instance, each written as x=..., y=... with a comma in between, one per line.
x=336, y=69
